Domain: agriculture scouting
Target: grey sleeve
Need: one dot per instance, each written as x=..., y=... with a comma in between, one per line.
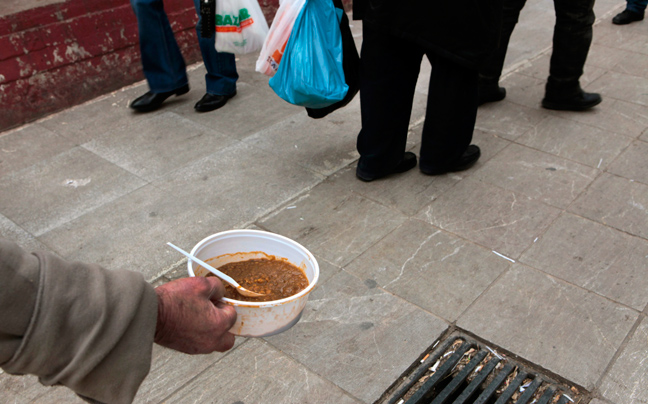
x=75, y=324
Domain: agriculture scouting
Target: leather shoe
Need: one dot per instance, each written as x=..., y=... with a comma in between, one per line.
x=467, y=160
x=577, y=102
x=210, y=102
x=152, y=101
x=490, y=93
x=626, y=17
x=407, y=163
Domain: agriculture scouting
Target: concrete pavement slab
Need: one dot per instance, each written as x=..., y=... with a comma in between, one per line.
x=12, y=231
x=258, y=373
x=22, y=147
x=575, y=141
x=75, y=182
x=158, y=145
x=334, y=222
x=622, y=87
x=358, y=336
x=549, y=322
x=508, y=120
x=434, y=270
x=627, y=381
x=502, y=220
x=632, y=163
x=594, y=257
x=617, y=202
x=544, y=177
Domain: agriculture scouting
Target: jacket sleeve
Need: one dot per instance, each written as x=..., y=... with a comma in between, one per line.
x=75, y=324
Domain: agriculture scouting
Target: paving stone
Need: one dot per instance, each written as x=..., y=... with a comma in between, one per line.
x=254, y=107
x=622, y=86
x=375, y=335
x=19, y=389
x=627, y=381
x=11, y=231
x=616, y=202
x=502, y=220
x=539, y=68
x=156, y=146
x=333, y=222
x=632, y=163
x=523, y=90
x=631, y=37
x=258, y=373
x=322, y=145
x=618, y=60
x=506, y=119
x=171, y=370
x=27, y=145
x=612, y=116
x=543, y=177
x=430, y=268
x=594, y=257
x=576, y=141
x=85, y=122
x=551, y=323
x=132, y=232
x=239, y=183
x=75, y=183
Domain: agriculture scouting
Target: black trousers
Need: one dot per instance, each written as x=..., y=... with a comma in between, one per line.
x=389, y=70
x=571, y=42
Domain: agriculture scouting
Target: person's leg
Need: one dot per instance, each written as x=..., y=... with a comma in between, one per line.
x=162, y=62
x=637, y=6
x=221, y=74
x=389, y=69
x=491, y=71
x=450, y=118
x=571, y=43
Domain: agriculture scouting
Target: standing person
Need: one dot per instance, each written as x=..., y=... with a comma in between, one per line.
x=164, y=66
x=396, y=36
x=571, y=42
x=634, y=12
x=92, y=329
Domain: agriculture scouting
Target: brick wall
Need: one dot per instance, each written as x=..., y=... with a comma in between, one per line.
x=63, y=54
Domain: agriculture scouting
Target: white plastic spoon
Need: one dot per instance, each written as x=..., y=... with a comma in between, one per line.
x=218, y=273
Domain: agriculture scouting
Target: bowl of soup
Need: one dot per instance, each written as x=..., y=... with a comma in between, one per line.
x=280, y=268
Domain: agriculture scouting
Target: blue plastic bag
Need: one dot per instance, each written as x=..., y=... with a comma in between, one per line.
x=310, y=73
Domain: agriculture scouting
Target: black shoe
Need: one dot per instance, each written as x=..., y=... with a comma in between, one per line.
x=467, y=160
x=152, y=101
x=578, y=102
x=626, y=17
x=491, y=93
x=407, y=163
x=210, y=102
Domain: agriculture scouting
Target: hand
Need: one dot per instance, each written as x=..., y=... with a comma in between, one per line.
x=192, y=318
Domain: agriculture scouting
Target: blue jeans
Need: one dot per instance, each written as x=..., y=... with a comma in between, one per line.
x=162, y=62
x=637, y=6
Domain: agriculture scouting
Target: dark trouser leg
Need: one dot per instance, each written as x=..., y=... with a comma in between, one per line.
x=162, y=61
x=451, y=113
x=389, y=71
x=492, y=69
x=571, y=43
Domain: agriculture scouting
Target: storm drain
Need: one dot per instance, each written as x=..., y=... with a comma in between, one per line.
x=460, y=370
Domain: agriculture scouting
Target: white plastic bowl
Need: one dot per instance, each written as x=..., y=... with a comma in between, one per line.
x=258, y=319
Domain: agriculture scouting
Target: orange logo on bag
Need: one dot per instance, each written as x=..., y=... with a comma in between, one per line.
x=233, y=23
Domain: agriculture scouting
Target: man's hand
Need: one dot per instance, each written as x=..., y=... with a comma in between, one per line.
x=192, y=318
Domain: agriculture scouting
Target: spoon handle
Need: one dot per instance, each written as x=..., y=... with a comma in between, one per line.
x=209, y=267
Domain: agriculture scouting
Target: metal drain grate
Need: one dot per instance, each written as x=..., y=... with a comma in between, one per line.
x=464, y=371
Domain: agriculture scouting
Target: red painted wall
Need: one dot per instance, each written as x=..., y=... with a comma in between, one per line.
x=57, y=56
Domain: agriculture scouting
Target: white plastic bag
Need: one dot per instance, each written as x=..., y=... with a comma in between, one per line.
x=277, y=37
x=241, y=26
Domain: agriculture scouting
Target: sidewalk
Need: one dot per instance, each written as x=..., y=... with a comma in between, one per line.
x=540, y=249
